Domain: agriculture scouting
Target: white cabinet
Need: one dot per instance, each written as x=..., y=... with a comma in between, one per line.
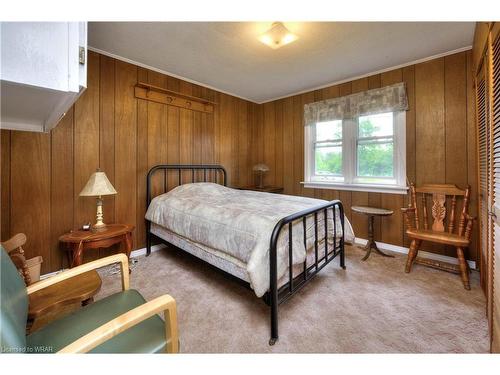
x=43, y=71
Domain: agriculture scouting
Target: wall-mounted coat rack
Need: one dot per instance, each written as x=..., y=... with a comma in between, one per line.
x=160, y=95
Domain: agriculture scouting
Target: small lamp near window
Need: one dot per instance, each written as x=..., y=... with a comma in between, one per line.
x=97, y=186
x=261, y=170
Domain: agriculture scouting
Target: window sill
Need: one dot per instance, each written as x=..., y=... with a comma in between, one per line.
x=388, y=189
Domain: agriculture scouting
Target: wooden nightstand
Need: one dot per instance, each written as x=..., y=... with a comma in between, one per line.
x=265, y=189
x=76, y=242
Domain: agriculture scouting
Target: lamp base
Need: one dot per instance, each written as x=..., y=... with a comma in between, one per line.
x=261, y=180
x=99, y=225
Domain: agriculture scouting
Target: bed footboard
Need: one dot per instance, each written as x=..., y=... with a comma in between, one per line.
x=277, y=296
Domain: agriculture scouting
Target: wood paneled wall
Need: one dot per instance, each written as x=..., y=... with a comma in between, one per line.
x=42, y=174
x=440, y=140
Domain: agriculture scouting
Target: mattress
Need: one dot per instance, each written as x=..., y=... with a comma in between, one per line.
x=216, y=258
x=236, y=226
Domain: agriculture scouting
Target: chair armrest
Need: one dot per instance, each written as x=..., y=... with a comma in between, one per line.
x=407, y=211
x=72, y=272
x=468, y=226
x=14, y=243
x=131, y=318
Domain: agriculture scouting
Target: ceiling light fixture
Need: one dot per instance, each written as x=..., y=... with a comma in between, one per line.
x=277, y=36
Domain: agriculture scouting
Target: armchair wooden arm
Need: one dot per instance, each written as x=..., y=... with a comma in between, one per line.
x=13, y=246
x=14, y=243
x=470, y=218
x=125, y=321
x=409, y=215
x=72, y=272
x=468, y=227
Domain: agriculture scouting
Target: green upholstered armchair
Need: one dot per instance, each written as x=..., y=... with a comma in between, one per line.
x=121, y=323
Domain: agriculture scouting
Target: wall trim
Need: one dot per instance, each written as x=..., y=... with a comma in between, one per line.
x=418, y=61
x=19, y=126
x=404, y=65
x=389, y=189
x=145, y=66
x=133, y=254
x=142, y=251
x=421, y=253
x=357, y=241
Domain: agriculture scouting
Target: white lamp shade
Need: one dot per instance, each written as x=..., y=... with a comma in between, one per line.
x=98, y=184
x=261, y=168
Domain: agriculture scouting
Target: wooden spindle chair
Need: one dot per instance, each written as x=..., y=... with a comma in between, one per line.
x=443, y=228
x=14, y=247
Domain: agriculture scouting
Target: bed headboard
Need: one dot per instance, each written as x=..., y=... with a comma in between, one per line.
x=199, y=173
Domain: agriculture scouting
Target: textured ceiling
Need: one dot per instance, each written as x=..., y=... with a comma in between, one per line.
x=228, y=57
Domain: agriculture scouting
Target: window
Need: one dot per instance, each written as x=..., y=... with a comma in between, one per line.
x=328, y=149
x=366, y=153
x=375, y=147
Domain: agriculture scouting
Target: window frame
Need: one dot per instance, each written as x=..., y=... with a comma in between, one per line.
x=350, y=179
x=336, y=177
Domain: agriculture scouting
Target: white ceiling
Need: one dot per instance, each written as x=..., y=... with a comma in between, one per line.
x=228, y=57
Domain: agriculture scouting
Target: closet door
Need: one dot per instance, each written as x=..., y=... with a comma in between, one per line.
x=483, y=134
x=494, y=115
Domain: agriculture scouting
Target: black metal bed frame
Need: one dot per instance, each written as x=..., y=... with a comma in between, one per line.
x=275, y=296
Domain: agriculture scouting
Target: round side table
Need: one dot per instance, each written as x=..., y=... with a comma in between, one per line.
x=371, y=212
x=76, y=242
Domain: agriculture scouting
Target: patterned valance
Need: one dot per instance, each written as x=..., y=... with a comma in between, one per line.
x=385, y=99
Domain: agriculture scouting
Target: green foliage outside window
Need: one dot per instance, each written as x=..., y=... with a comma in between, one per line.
x=329, y=162
x=375, y=160
x=375, y=157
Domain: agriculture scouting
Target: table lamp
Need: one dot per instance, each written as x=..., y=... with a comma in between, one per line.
x=261, y=169
x=97, y=186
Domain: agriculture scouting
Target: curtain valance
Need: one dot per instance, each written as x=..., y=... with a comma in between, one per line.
x=385, y=99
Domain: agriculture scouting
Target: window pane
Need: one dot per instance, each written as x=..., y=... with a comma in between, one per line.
x=376, y=160
x=328, y=160
x=328, y=130
x=376, y=125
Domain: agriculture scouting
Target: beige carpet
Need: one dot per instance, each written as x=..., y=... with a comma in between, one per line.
x=372, y=307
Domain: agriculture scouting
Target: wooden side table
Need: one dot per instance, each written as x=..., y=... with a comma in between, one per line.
x=371, y=212
x=265, y=189
x=60, y=299
x=76, y=242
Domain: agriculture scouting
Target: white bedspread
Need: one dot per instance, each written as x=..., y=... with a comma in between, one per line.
x=240, y=223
